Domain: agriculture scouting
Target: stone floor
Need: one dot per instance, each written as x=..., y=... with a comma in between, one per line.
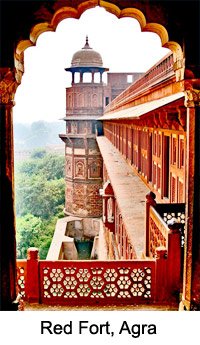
x=152, y=307
x=129, y=190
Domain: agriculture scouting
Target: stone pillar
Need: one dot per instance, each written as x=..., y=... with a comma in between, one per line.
x=150, y=201
x=8, y=87
x=108, y=219
x=81, y=77
x=191, y=273
x=105, y=200
x=161, y=278
x=32, y=276
x=174, y=257
x=73, y=78
x=108, y=207
x=149, y=155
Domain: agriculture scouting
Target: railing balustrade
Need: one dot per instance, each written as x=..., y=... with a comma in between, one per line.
x=90, y=282
x=164, y=229
x=158, y=232
x=112, y=282
x=160, y=72
x=97, y=282
x=161, y=219
x=21, y=277
x=171, y=213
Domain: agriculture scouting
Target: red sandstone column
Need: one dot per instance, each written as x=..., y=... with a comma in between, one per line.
x=191, y=285
x=8, y=87
x=174, y=257
x=161, y=283
x=105, y=200
x=150, y=201
x=32, y=283
x=149, y=156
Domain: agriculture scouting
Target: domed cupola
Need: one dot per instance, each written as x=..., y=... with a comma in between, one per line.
x=86, y=60
x=86, y=57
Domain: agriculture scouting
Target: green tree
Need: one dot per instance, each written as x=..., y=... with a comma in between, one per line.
x=28, y=230
x=34, y=232
x=40, y=196
x=37, y=196
x=46, y=236
x=50, y=166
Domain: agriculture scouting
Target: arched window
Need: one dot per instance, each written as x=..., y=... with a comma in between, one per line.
x=94, y=100
x=79, y=169
x=95, y=169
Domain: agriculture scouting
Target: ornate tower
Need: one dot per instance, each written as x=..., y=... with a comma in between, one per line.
x=84, y=105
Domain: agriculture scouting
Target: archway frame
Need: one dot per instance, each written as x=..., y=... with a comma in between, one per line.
x=75, y=13
x=8, y=88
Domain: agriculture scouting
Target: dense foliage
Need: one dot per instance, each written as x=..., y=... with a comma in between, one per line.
x=40, y=190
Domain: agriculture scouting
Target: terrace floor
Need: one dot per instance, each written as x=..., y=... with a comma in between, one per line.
x=130, y=193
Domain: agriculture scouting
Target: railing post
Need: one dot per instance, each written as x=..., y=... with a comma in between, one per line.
x=161, y=286
x=174, y=256
x=110, y=246
x=105, y=201
x=32, y=283
x=150, y=201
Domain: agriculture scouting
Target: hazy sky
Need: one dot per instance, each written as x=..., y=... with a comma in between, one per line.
x=41, y=95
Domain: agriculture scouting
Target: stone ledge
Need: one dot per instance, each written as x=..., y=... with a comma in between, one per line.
x=66, y=231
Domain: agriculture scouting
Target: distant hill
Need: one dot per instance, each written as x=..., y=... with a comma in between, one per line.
x=37, y=134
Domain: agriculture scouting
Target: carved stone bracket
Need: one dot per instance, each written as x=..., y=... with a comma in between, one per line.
x=192, y=98
x=179, y=69
x=8, y=86
x=167, y=119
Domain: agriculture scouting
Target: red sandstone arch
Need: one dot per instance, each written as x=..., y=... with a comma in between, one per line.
x=70, y=12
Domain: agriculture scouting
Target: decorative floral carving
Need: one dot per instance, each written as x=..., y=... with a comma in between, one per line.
x=68, y=167
x=61, y=282
x=192, y=98
x=8, y=86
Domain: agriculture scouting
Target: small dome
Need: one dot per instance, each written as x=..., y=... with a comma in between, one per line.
x=86, y=57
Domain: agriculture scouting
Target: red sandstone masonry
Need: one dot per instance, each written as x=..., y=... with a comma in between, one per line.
x=48, y=281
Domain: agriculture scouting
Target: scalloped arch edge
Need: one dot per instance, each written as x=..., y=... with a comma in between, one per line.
x=71, y=12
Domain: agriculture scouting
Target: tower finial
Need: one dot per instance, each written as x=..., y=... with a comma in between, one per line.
x=86, y=46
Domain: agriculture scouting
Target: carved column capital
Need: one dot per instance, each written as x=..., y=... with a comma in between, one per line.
x=8, y=86
x=192, y=98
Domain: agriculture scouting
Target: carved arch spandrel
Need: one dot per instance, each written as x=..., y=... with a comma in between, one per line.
x=71, y=12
